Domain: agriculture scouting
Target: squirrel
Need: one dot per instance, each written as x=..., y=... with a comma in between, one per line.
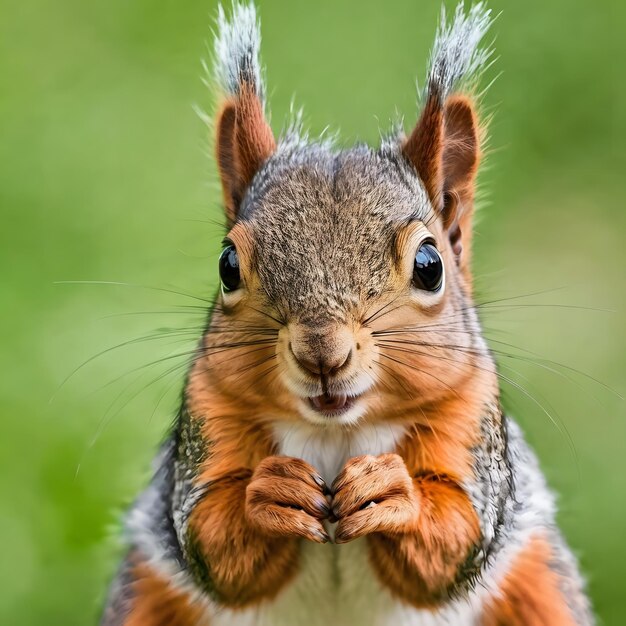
x=341, y=455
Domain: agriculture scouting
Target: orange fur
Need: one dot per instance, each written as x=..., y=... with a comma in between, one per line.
x=461, y=153
x=461, y=158
x=383, y=480
x=328, y=307
x=245, y=565
x=444, y=148
x=529, y=594
x=423, y=148
x=157, y=603
x=423, y=526
x=247, y=525
x=420, y=561
x=251, y=541
x=255, y=141
x=244, y=141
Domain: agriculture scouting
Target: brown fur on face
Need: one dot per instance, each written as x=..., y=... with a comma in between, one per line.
x=326, y=304
x=306, y=299
x=420, y=353
x=419, y=517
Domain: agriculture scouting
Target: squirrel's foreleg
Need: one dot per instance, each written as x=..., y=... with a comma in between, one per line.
x=242, y=536
x=421, y=529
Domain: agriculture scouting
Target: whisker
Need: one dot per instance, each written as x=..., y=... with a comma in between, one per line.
x=115, y=283
x=536, y=360
x=379, y=313
x=559, y=425
x=135, y=341
x=410, y=365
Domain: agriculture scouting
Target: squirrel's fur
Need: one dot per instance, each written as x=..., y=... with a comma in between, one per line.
x=341, y=455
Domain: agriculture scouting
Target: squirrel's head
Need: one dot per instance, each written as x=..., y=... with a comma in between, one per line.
x=345, y=273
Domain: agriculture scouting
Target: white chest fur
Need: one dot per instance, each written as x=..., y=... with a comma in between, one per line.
x=336, y=584
x=328, y=449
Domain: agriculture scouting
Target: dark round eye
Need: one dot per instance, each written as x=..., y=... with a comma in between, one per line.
x=428, y=268
x=229, y=269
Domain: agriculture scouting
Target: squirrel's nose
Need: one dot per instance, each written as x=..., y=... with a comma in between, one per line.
x=321, y=351
x=324, y=365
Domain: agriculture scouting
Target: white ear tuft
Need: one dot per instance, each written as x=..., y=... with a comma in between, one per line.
x=456, y=56
x=237, y=46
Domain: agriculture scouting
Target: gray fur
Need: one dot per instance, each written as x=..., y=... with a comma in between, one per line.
x=514, y=503
x=191, y=451
x=150, y=532
x=492, y=487
x=120, y=597
x=531, y=508
x=151, y=516
x=339, y=203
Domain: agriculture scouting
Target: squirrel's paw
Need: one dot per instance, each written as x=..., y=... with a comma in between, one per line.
x=373, y=494
x=286, y=497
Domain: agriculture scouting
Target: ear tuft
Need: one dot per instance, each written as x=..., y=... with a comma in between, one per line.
x=457, y=58
x=444, y=145
x=237, y=51
x=244, y=139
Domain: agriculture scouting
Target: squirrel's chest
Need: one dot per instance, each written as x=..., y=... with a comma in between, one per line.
x=337, y=587
x=336, y=584
x=328, y=449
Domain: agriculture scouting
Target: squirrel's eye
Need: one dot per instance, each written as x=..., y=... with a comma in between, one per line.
x=428, y=268
x=229, y=269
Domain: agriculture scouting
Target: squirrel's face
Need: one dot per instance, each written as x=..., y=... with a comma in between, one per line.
x=345, y=275
x=339, y=278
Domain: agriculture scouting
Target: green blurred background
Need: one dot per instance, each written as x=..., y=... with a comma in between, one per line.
x=105, y=176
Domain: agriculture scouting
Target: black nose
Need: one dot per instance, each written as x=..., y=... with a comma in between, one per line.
x=323, y=365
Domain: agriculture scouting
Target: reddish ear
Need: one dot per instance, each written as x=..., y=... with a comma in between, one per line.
x=444, y=147
x=461, y=156
x=244, y=142
x=424, y=149
x=244, y=139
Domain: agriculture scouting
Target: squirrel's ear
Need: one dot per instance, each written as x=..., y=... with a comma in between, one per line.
x=244, y=139
x=444, y=148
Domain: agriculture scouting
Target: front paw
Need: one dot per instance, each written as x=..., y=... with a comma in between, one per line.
x=286, y=497
x=373, y=494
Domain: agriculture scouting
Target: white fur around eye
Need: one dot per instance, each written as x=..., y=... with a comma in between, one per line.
x=415, y=236
x=231, y=298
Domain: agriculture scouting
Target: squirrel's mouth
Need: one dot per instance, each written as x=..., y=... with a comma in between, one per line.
x=332, y=405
